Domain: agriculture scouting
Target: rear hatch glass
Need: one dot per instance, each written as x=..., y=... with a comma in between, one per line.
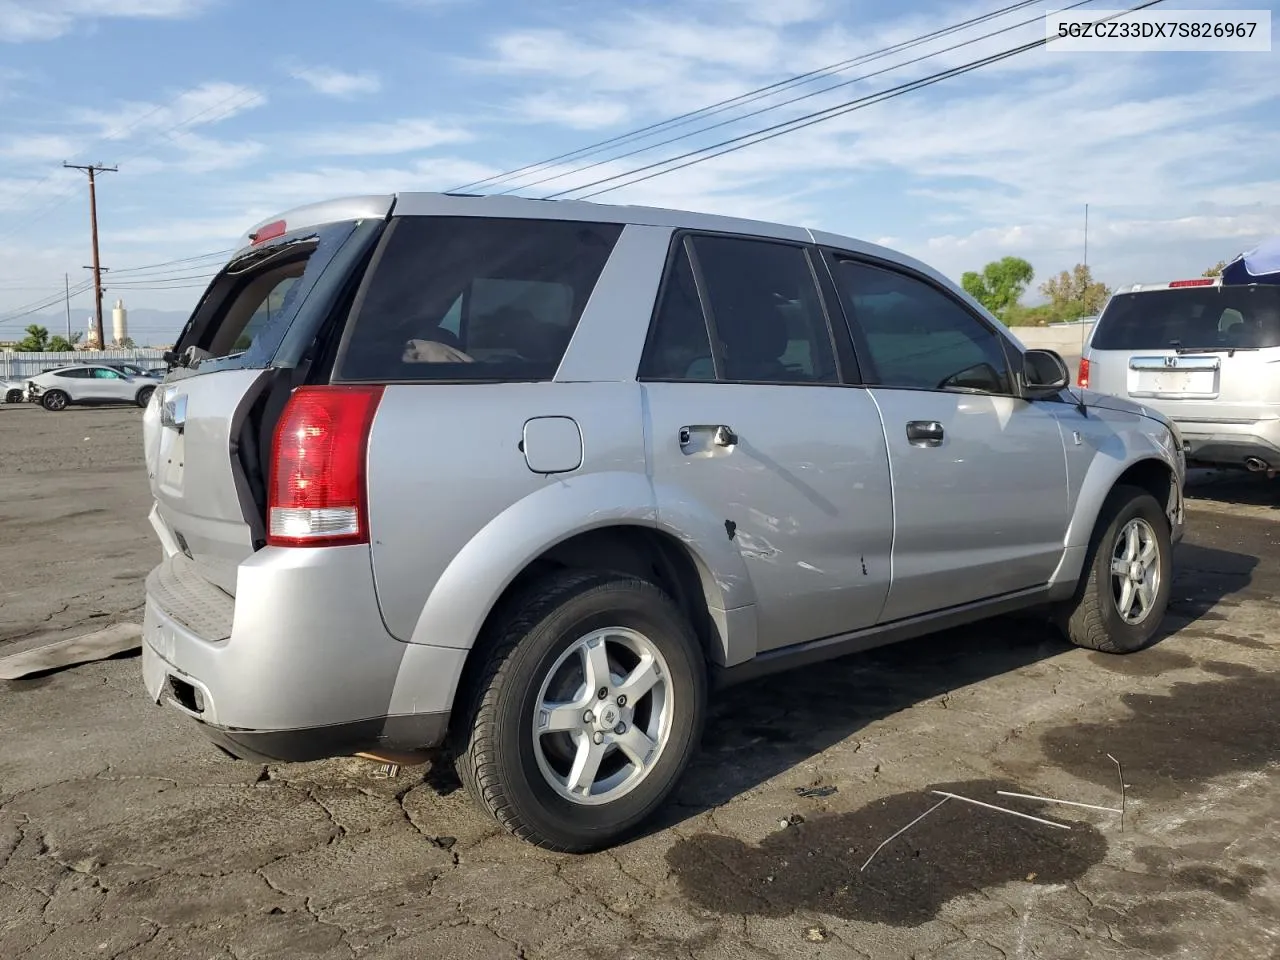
x=245, y=315
x=483, y=299
x=1191, y=319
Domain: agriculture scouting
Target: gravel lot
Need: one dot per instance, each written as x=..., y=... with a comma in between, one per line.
x=123, y=834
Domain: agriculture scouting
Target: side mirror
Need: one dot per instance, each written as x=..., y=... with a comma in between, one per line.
x=1044, y=374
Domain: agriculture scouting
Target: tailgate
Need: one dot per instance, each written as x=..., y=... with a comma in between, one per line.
x=201, y=492
x=263, y=325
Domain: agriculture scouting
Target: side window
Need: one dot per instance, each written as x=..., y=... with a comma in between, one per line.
x=102, y=373
x=679, y=347
x=473, y=299
x=918, y=337
x=766, y=310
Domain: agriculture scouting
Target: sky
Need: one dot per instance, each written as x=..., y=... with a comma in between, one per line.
x=220, y=113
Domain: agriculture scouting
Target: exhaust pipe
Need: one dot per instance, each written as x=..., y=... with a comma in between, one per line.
x=1258, y=465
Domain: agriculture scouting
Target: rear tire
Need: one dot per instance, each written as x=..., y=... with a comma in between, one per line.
x=14, y=396
x=600, y=766
x=144, y=396
x=1127, y=576
x=55, y=400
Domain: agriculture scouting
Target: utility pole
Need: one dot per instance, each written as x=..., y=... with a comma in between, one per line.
x=98, y=290
x=66, y=279
x=93, y=169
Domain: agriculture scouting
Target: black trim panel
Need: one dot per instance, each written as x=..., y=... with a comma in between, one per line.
x=406, y=733
x=819, y=651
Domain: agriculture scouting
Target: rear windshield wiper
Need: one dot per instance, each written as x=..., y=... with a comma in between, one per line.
x=259, y=258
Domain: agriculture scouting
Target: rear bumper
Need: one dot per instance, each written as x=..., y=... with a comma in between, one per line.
x=1231, y=444
x=298, y=666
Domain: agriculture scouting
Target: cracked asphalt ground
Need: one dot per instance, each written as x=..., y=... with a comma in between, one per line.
x=124, y=835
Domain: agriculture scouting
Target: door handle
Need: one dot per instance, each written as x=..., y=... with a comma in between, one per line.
x=720, y=435
x=924, y=433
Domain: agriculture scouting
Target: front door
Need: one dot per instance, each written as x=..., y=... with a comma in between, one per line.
x=758, y=441
x=106, y=384
x=981, y=502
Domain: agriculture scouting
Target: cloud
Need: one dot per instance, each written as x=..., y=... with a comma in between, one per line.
x=338, y=83
x=209, y=103
x=288, y=188
x=372, y=139
x=30, y=20
x=37, y=148
x=573, y=112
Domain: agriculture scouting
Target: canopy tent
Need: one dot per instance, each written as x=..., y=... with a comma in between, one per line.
x=1259, y=265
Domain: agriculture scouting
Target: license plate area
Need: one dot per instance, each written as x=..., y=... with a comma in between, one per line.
x=1175, y=377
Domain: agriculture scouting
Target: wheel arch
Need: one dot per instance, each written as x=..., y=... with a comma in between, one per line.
x=601, y=521
x=1152, y=473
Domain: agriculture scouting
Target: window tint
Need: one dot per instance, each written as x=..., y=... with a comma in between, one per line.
x=1191, y=318
x=679, y=347
x=918, y=337
x=768, y=317
x=77, y=374
x=455, y=298
x=102, y=373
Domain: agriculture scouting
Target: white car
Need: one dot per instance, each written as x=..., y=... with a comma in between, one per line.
x=12, y=391
x=88, y=384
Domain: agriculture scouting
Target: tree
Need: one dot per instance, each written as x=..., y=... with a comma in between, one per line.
x=1073, y=294
x=1000, y=284
x=60, y=344
x=1215, y=270
x=36, y=340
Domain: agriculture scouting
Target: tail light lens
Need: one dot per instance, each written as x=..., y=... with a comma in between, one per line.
x=1082, y=377
x=317, y=488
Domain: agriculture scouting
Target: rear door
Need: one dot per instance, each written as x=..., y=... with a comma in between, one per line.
x=980, y=497
x=1206, y=353
x=767, y=436
x=257, y=331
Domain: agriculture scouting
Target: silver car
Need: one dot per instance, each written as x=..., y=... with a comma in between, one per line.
x=532, y=479
x=1205, y=355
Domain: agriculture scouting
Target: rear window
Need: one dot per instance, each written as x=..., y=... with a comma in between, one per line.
x=1191, y=318
x=261, y=295
x=473, y=299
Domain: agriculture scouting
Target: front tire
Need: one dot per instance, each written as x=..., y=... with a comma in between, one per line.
x=144, y=396
x=584, y=712
x=1127, y=578
x=55, y=400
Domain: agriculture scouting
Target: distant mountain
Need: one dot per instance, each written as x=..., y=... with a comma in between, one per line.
x=145, y=326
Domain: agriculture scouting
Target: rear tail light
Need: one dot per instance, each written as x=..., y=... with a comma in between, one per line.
x=1082, y=376
x=1204, y=282
x=317, y=487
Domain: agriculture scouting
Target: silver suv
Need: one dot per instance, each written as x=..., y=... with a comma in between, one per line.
x=530, y=479
x=1205, y=355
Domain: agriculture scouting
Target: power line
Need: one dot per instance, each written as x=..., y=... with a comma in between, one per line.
x=216, y=254
x=818, y=116
x=749, y=96
x=244, y=102
x=786, y=103
x=52, y=302
x=122, y=278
